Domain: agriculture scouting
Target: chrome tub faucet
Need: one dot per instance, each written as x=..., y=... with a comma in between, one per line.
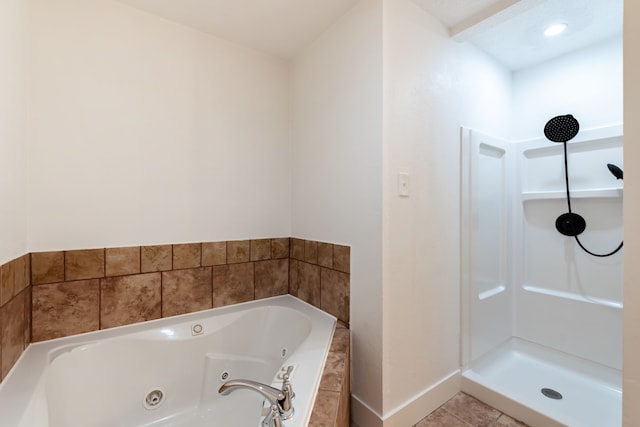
x=279, y=400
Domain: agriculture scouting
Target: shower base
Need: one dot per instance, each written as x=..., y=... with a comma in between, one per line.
x=511, y=377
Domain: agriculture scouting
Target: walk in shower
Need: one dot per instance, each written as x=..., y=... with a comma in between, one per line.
x=542, y=318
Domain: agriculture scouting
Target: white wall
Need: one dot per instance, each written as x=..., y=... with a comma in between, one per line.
x=631, y=366
x=143, y=131
x=586, y=83
x=337, y=166
x=13, y=164
x=433, y=85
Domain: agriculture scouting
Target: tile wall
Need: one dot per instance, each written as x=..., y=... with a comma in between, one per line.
x=45, y=295
x=15, y=311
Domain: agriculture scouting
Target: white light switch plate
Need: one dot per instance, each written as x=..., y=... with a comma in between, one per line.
x=403, y=184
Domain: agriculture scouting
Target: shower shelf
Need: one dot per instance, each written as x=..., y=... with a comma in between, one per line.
x=577, y=194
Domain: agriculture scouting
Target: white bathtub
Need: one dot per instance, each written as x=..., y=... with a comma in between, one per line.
x=102, y=379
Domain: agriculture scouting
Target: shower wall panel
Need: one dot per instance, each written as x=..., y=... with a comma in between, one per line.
x=565, y=298
x=486, y=293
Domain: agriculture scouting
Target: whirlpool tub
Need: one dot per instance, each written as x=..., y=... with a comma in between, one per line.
x=167, y=372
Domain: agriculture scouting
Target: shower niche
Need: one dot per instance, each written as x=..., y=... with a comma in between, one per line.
x=541, y=318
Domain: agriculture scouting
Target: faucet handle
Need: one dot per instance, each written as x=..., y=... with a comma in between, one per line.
x=287, y=390
x=288, y=372
x=273, y=419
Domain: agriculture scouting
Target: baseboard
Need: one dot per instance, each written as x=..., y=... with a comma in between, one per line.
x=413, y=410
x=425, y=402
x=363, y=415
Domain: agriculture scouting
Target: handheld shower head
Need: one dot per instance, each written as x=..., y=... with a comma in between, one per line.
x=615, y=170
x=561, y=128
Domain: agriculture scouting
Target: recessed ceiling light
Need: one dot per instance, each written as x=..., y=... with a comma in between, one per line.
x=555, y=29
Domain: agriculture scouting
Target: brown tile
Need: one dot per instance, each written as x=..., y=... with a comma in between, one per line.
x=344, y=411
x=187, y=255
x=342, y=258
x=233, y=283
x=22, y=273
x=507, y=421
x=7, y=282
x=186, y=291
x=297, y=249
x=334, y=371
x=260, y=249
x=84, y=264
x=471, y=410
x=1, y=376
x=238, y=251
x=334, y=291
x=156, y=258
x=122, y=261
x=130, y=299
x=325, y=409
x=442, y=418
x=272, y=278
x=67, y=308
x=341, y=340
x=27, y=314
x=311, y=251
x=214, y=253
x=280, y=248
x=47, y=267
x=325, y=255
x=309, y=283
x=13, y=319
x=294, y=283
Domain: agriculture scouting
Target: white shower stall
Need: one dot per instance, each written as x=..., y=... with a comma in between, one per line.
x=541, y=318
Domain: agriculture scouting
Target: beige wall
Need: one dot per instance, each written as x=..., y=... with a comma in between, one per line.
x=13, y=164
x=144, y=131
x=631, y=365
x=337, y=162
x=432, y=86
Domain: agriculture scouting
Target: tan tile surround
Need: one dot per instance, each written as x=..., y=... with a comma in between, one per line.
x=15, y=311
x=45, y=295
x=331, y=408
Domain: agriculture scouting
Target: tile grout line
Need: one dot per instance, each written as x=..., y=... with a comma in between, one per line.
x=456, y=416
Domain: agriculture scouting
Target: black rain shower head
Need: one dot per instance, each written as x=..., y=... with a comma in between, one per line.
x=616, y=171
x=561, y=128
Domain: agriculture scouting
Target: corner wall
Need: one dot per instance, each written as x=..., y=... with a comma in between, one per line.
x=432, y=86
x=631, y=367
x=337, y=163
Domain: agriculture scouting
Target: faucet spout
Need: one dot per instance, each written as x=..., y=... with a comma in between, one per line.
x=273, y=395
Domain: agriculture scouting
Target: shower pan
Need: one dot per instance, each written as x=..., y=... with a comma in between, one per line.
x=542, y=318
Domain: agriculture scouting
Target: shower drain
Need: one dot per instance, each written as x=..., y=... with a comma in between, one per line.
x=551, y=393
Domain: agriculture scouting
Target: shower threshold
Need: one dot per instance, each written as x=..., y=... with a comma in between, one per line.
x=512, y=379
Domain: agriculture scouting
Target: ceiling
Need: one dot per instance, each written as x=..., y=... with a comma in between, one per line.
x=278, y=27
x=508, y=30
x=512, y=30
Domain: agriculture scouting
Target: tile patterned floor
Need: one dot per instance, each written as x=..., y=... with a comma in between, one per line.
x=463, y=410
